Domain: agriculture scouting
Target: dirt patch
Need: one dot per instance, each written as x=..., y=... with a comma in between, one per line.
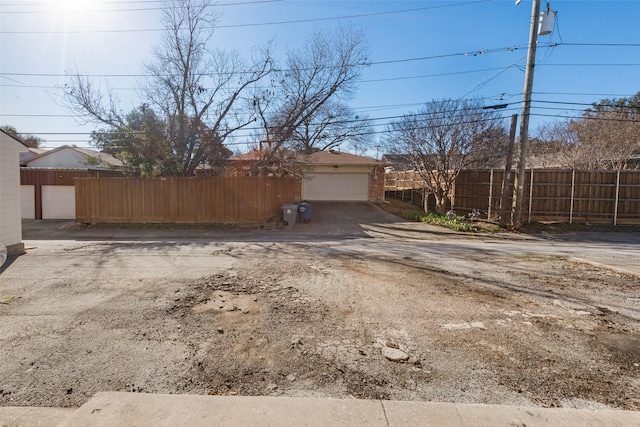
x=300, y=321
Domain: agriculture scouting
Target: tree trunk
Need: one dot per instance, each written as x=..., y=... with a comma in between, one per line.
x=441, y=202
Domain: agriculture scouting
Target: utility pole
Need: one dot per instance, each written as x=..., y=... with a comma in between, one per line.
x=504, y=218
x=518, y=187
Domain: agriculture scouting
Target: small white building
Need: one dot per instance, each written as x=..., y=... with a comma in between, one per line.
x=10, y=221
x=47, y=179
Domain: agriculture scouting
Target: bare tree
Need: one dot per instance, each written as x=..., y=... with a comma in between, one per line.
x=326, y=69
x=552, y=144
x=607, y=135
x=443, y=138
x=332, y=124
x=197, y=91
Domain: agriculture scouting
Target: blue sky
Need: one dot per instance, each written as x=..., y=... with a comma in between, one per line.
x=484, y=43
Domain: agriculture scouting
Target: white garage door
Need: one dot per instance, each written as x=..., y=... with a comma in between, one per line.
x=27, y=201
x=58, y=202
x=336, y=186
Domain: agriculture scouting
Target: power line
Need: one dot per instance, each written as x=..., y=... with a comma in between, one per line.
x=396, y=106
x=602, y=44
x=378, y=132
x=259, y=24
x=21, y=3
x=389, y=61
x=138, y=9
x=373, y=107
x=369, y=119
x=587, y=117
x=592, y=64
x=375, y=132
x=586, y=94
x=423, y=76
x=498, y=118
x=563, y=102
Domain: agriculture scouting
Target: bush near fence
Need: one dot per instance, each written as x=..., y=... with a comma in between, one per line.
x=593, y=196
x=183, y=200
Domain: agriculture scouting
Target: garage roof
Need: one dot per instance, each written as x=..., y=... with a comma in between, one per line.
x=333, y=157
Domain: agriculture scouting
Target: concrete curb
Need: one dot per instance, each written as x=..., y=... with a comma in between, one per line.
x=134, y=409
x=18, y=416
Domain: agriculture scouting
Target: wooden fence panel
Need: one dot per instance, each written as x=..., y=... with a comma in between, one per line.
x=183, y=200
x=472, y=191
x=629, y=197
x=550, y=195
x=594, y=199
x=606, y=197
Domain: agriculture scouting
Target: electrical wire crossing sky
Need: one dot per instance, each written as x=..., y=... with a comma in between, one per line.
x=420, y=51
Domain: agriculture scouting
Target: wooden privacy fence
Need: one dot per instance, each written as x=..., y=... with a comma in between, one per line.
x=604, y=197
x=407, y=186
x=183, y=200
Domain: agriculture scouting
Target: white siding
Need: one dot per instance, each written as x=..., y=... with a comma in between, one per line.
x=10, y=222
x=64, y=158
x=28, y=201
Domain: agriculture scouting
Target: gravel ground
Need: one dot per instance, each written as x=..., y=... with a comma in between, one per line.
x=309, y=319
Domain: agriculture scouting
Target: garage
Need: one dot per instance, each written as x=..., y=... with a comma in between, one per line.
x=28, y=201
x=58, y=202
x=336, y=186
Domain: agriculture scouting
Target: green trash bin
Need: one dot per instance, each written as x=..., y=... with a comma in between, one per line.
x=289, y=214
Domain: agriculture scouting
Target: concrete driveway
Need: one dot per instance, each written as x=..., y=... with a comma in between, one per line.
x=344, y=219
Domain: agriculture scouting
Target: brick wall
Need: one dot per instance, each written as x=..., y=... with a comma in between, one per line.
x=376, y=184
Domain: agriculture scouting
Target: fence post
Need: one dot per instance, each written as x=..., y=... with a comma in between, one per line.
x=490, y=195
x=413, y=186
x=530, y=194
x=573, y=186
x=404, y=183
x=615, y=207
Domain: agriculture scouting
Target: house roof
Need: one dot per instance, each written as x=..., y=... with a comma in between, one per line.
x=36, y=151
x=399, y=162
x=257, y=154
x=333, y=157
x=251, y=155
x=30, y=153
x=397, y=158
x=16, y=140
x=102, y=157
x=330, y=157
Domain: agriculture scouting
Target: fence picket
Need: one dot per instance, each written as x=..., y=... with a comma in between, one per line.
x=603, y=196
x=183, y=200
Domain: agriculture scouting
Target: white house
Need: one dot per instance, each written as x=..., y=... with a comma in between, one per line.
x=66, y=157
x=10, y=221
